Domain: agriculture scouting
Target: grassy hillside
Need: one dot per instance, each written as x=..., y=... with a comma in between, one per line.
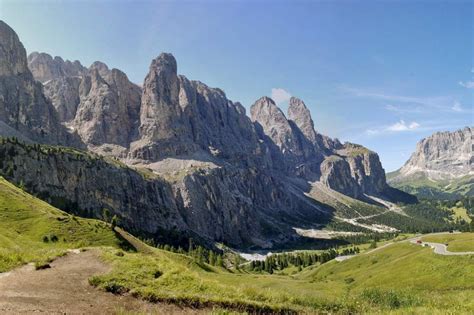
x=404, y=277
x=400, y=278
x=423, y=187
x=33, y=231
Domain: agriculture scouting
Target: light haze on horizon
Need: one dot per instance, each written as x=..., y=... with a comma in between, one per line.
x=378, y=73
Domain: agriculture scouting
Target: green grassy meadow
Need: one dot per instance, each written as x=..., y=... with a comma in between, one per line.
x=33, y=231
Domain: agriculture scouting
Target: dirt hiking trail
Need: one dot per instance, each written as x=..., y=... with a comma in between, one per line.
x=64, y=289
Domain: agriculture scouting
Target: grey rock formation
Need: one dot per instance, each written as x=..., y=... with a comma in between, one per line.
x=337, y=175
x=350, y=169
x=301, y=116
x=180, y=117
x=235, y=205
x=23, y=105
x=295, y=151
x=108, y=111
x=441, y=156
x=44, y=67
x=64, y=95
x=102, y=105
x=365, y=167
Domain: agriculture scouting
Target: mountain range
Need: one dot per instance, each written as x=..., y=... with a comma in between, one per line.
x=175, y=158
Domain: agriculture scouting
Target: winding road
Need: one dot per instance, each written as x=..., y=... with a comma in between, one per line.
x=438, y=248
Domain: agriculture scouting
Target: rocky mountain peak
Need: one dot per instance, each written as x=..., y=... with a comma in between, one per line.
x=301, y=116
x=23, y=105
x=164, y=64
x=274, y=123
x=12, y=53
x=45, y=68
x=101, y=68
x=443, y=155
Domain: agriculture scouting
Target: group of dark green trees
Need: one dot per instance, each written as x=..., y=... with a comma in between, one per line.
x=298, y=259
x=198, y=252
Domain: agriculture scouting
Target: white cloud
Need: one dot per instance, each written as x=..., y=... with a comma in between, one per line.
x=280, y=95
x=399, y=126
x=467, y=84
x=402, y=126
x=457, y=107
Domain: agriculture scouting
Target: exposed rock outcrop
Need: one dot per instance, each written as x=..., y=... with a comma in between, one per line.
x=45, y=68
x=444, y=155
x=301, y=116
x=102, y=105
x=23, y=105
x=238, y=206
x=350, y=169
x=108, y=112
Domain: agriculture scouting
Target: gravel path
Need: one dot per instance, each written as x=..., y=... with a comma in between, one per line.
x=64, y=289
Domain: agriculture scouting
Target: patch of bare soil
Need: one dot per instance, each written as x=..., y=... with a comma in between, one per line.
x=64, y=289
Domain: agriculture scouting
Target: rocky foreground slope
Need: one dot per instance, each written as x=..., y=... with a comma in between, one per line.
x=443, y=161
x=180, y=156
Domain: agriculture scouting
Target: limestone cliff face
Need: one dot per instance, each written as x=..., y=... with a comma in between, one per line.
x=102, y=105
x=365, y=168
x=293, y=148
x=45, y=68
x=301, y=116
x=444, y=155
x=182, y=117
x=23, y=105
x=337, y=174
x=350, y=169
x=239, y=206
x=108, y=111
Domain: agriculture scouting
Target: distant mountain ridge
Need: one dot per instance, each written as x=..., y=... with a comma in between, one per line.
x=442, y=163
x=194, y=161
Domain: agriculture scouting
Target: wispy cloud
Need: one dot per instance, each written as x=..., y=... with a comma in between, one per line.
x=409, y=104
x=457, y=107
x=404, y=127
x=400, y=110
x=467, y=84
x=400, y=126
x=280, y=95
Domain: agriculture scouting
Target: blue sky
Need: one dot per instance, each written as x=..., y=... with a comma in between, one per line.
x=380, y=73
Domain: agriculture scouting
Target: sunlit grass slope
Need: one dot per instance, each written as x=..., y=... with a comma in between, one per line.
x=405, y=277
x=33, y=231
